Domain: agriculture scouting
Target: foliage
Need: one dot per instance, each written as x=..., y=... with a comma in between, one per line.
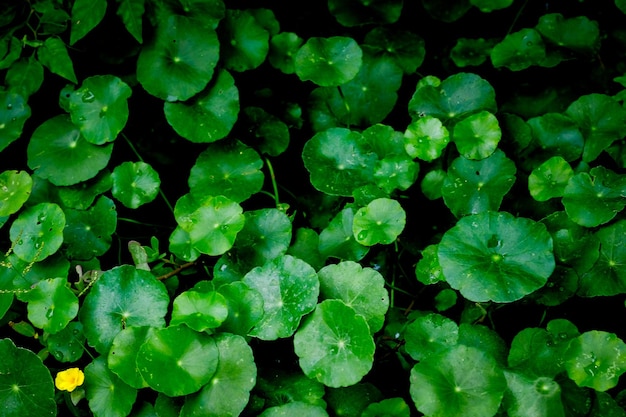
x=364, y=208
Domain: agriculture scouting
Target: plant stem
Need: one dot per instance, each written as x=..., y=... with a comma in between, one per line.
x=273, y=178
x=176, y=271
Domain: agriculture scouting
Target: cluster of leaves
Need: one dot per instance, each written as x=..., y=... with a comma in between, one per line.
x=340, y=213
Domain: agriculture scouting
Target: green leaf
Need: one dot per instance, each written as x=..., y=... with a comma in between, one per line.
x=38, y=232
x=334, y=345
x=170, y=67
x=539, y=397
x=67, y=345
x=519, y=50
x=228, y=391
x=446, y=11
x=296, y=408
x=477, y=136
x=472, y=187
x=15, y=187
x=19, y=274
x=121, y=297
x=122, y=357
x=177, y=361
x=199, y=309
x=206, y=13
x=265, y=236
x=600, y=119
x=459, y=382
x=338, y=239
x=432, y=183
x=429, y=334
x=395, y=173
x=487, y=6
x=135, y=183
x=352, y=400
x=245, y=308
x=14, y=111
x=363, y=289
x=392, y=407
x=100, y=108
x=25, y=76
x=289, y=287
x=306, y=247
x=88, y=232
x=381, y=221
x=426, y=138
x=496, y=257
x=245, y=41
x=427, y=269
x=272, y=133
x=108, y=395
x=81, y=196
x=557, y=135
x=230, y=169
x=607, y=277
x=338, y=161
x=10, y=51
x=211, y=115
x=26, y=387
x=455, y=98
x=51, y=304
x=577, y=33
x=278, y=386
x=596, y=359
x=405, y=48
x=60, y=154
x=131, y=12
x=86, y=14
x=330, y=61
x=468, y=52
x=53, y=55
x=549, y=179
x=283, y=49
x=356, y=13
x=594, y=198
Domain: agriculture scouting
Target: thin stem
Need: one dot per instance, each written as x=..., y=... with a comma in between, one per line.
x=273, y=178
x=176, y=271
x=161, y=193
x=519, y=13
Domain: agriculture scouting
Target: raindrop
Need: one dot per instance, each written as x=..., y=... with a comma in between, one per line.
x=88, y=97
x=49, y=313
x=9, y=106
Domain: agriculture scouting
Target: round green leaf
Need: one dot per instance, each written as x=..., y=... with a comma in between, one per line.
x=212, y=225
x=179, y=61
x=231, y=169
x=108, y=395
x=211, y=115
x=352, y=400
x=24, y=77
x=392, y=407
x=558, y=135
x=207, y=13
x=26, y=387
x=448, y=11
x=596, y=359
x=38, y=232
x=21, y=274
x=68, y=344
x=455, y=98
x=459, y=382
x=245, y=41
x=177, y=361
x=265, y=236
x=496, y=257
x=122, y=357
x=432, y=183
x=608, y=276
x=468, y=52
x=277, y=385
x=81, y=196
x=270, y=130
x=289, y=287
x=121, y=297
x=477, y=136
x=228, y=390
x=51, y=304
x=405, y=48
x=100, y=108
x=88, y=232
x=338, y=240
x=472, y=187
x=59, y=153
x=519, y=50
x=283, y=48
x=487, y=6
x=15, y=189
x=245, y=308
x=577, y=33
x=549, y=179
x=396, y=172
x=14, y=111
x=296, y=408
x=381, y=221
x=355, y=13
x=334, y=345
x=199, y=310
x=429, y=334
x=338, y=161
x=181, y=245
x=135, y=183
x=363, y=289
x=594, y=198
x=425, y=138
x=329, y=61
x=427, y=269
x=539, y=397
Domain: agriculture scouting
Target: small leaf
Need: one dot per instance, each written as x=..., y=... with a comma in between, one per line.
x=405, y=48
x=283, y=49
x=519, y=50
x=135, y=183
x=38, y=232
x=68, y=344
x=381, y=221
x=468, y=52
x=245, y=308
x=338, y=239
x=25, y=76
x=426, y=138
x=272, y=133
x=86, y=14
x=429, y=334
x=53, y=55
x=200, y=310
x=14, y=111
x=328, y=61
x=557, y=135
x=131, y=12
x=15, y=187
x=549, y=179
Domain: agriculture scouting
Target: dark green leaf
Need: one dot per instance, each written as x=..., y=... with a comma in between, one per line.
x=53, y=55
x=86, y=14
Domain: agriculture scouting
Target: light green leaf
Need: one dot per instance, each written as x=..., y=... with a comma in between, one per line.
x=328, y=61
x=15, y=187
x=108, y=395
x=283, y=49
x=38, y=232
x=429, y=334
x=199, y=309
x=425, y=138
x=14, y=111
x=549, y=179
x=86, y=14
x=135, y=183
x=540, y=397
x=487, y=6
x=51, y=304
x=245, y=307
x=68, y=344
x=477, y=136
x=381, y=221
x=338, y=240
x=296, y=408
x=265, y=236
x=122, y=357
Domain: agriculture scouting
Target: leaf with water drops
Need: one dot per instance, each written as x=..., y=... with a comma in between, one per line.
x=519, y=50
x=337, y=239
x=549, y=179
x=596, y=359
x=381, y=221
x=334, y=345
x=135, y=183
x=38, y=232
x=68, y=344
x=51, y=304
x=426, y=138
x=329, y=62
x=14, y=111
x=15, y=187
x=494, y=256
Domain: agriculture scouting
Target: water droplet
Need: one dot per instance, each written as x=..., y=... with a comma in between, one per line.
x=88, y=97
x=9, y=106
x=49, y=313
x=362, y=235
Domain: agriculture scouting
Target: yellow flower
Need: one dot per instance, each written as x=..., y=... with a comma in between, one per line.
x=69, y=379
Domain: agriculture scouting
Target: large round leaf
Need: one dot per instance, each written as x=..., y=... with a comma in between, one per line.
x=245, y=41
x=459, y=382
x=107, y=394
x=26, y=387
x=38, y=232
x=381, y=221
x=334, y=345
x=100, y=108
x=289, y=287
x=496, y=257
x=68, y=344
x=231, y=169
x=123, y=296
x=477, y=136
x=135, y=183
x=60, y=154
x=211, y=115
x=329, y=61
x=245, y=307
x=14, y=111
x=271, y=132
x=539, y=397
x=228, y=391
x=177, y=360
x=363, y=289
x=51, y=304
x=179, y=61
x=338, y=161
